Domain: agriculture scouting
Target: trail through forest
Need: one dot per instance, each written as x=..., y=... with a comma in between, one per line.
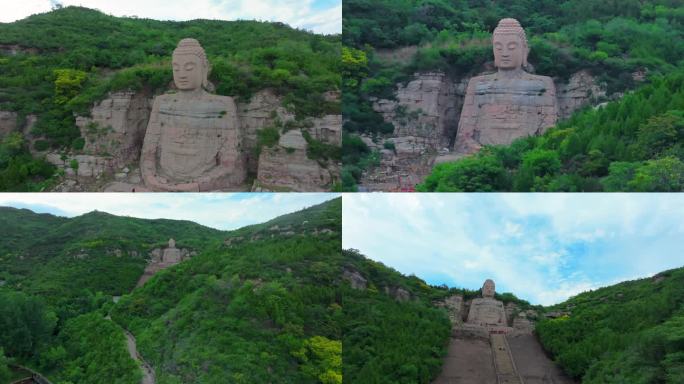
x=148, y=372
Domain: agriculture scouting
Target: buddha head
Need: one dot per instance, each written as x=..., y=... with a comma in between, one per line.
x=510, y=45
x=488, y=289
x=190, y=65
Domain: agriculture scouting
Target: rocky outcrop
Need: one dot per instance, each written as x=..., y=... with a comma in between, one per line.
x=162, y=258
x=287, y=165
x=8, y=122
x=116, y=127
x=582, y=89
x=263, y=110
x=426, y=108
x=426, y=114
x=356, y=280
x=398, y=293
x=15, y=49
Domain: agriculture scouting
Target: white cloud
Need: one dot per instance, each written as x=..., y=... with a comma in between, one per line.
x=304, y=14
x=541, y=247
x=222, y=211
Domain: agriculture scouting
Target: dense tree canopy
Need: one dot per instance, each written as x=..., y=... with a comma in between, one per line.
x=631, y=332
x=635, y=144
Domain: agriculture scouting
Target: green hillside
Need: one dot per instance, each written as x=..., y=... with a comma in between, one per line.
x=237, y=311
x=389, y=338
x=610, y=39
x=73, y=56
x=635, y=144
x=632, y=332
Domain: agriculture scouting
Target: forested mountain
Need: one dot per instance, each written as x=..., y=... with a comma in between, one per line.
x=393, y=332
x=262, y=301
x=59, y=63
x=632, y=332
x=614, y=41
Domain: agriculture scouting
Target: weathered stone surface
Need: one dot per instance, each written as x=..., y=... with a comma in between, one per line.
x=287, y=167
x=356, y=280
x=193, y=140
x=164, y=258
x=487, y=311
x=580, y=90
x=328, y=129
x=117, y=126
x=262, y=111
x=499, y=109
x=455, y=307
x=398, y=293
x=426, y=107
x=8, y=122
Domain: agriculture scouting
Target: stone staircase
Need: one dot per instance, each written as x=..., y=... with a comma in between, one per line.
x=506, y=372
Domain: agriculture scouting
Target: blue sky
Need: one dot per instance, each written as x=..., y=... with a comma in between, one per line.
x=221, y=210
x=320, y=16
x=542, y=247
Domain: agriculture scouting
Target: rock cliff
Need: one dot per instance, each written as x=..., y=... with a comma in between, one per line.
x=116, y=127
x=426, y=113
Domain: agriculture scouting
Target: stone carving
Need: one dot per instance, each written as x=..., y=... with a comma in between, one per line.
x=487, y=311
x=172, y=255
x=164, y=258
x=510, y=103
x=193, y=138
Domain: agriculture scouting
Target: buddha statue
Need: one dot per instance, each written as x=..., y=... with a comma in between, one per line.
x=487, y=311
x=192, y=142
x=510, y=103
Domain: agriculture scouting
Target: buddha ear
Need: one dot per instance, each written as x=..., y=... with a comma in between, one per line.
x=207, y=70
x=526, y=52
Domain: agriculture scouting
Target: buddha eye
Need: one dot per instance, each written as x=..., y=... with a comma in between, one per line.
x=189, y=66
x=512, y=45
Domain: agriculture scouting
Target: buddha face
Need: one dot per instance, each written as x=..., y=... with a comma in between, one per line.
x=488, y=289
x=509, y=52
x=188, y=72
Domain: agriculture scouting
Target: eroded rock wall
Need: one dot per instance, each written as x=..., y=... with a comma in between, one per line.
x=117, y=127
x=426, y=115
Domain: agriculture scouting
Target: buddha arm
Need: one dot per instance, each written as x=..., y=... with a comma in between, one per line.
x=148, y=158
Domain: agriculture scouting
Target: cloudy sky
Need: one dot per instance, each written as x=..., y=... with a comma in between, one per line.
x=543, y=248
x=221, y=210
x=320, y=16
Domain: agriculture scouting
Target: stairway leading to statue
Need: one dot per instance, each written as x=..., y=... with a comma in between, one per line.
x=506, y=372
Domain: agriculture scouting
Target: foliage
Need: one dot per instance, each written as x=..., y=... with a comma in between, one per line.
x=627, y=333
x=26, y=324
x=93, y=350
x=385, y=340
x=634, y=144
x=258, y=298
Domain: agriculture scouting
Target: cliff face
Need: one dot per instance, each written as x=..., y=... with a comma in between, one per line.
x=117, y=126
x=426, y=114
x=115, y=130
x=8, y=122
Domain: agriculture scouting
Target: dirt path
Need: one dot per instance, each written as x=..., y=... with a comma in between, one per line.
x=148, y=372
